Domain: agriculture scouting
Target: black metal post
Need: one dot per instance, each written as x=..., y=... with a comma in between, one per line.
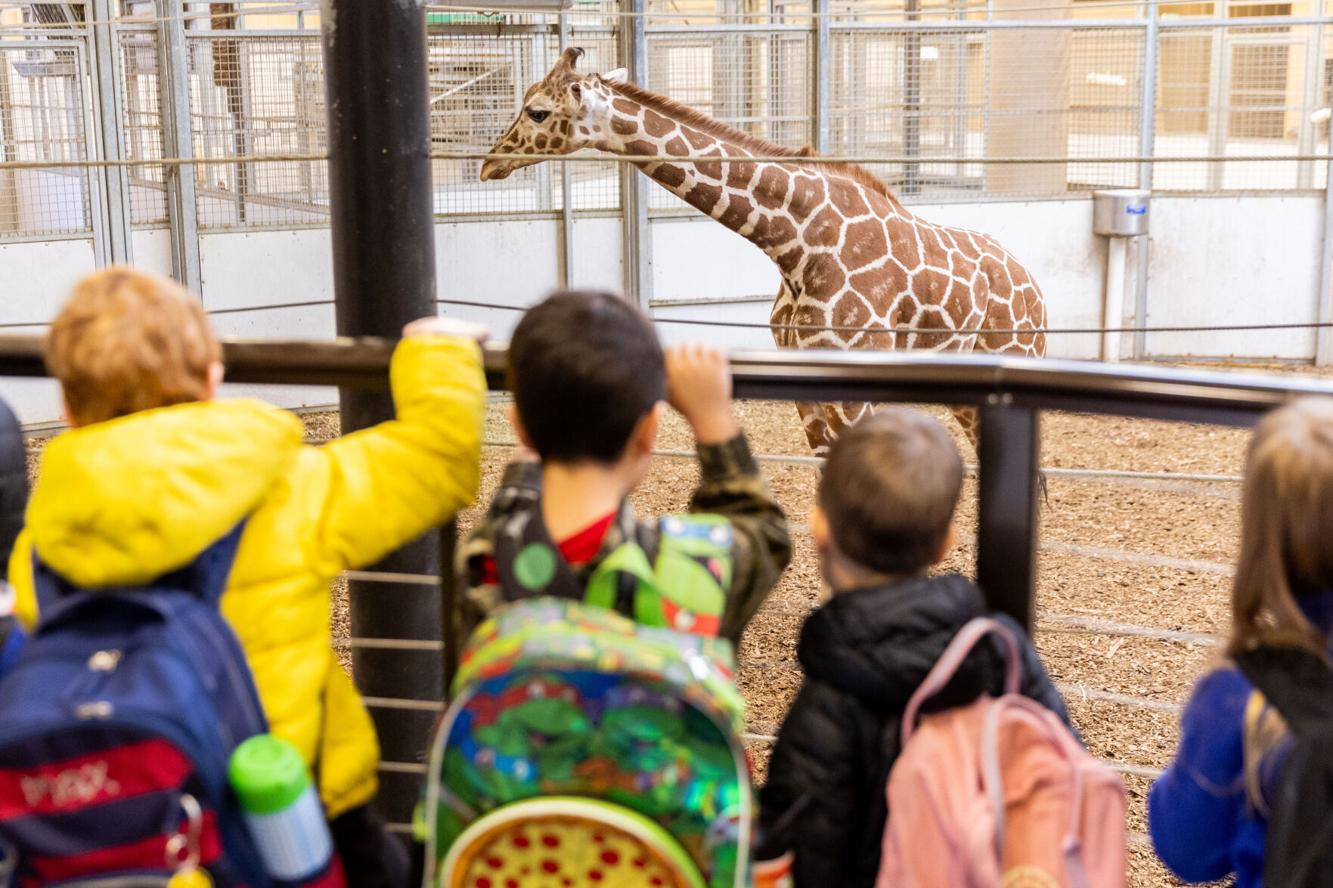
x=1007, y=519
x=384, y=276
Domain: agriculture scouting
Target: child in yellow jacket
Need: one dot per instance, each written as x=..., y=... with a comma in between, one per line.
x=154, y=470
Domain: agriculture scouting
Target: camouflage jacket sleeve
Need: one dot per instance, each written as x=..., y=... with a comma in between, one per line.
x=519, y=490
x=731, y=485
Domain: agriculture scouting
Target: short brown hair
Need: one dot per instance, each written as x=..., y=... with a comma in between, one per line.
x=128, y=341
x=1286, y=523
x=890, y=488
x=584, y=367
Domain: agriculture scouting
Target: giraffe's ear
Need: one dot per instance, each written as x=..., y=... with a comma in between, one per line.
x=618, y=75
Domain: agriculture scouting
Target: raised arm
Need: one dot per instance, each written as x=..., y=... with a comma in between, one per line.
x=388, y=484
x=730, y=484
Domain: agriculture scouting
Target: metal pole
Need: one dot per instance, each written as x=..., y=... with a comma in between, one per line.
x=636, y=237
x=1147, y=142
x=178, y=141
x=384, y=276
x=912, y=101
x=1324, y=301
x=566, y=193
x=1007, y=509
x=1323, y=298
x=822, y=63
x=449, y=622
x=1314, y=41
x=107, y=80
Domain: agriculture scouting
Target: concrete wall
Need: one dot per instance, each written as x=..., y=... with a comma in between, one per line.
x=1213, y=260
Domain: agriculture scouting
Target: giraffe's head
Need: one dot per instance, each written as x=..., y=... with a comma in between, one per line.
x=561, y=113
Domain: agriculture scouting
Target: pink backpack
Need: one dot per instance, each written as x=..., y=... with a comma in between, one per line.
x=998, y=792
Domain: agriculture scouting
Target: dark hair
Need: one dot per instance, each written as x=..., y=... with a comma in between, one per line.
x=890, y=488
x=584, y=368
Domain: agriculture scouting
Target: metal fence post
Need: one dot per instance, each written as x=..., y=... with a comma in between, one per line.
x=1147, y=141
x=178, y=141
x=381, y=209
x=447, y=542
x=108, y=89
x=1305, y=140
x=822, y=66
x=1323, y=298
x=637, y=239
x=1007, y=508
x=566, y=191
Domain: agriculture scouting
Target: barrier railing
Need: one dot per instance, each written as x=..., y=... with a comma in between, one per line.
x=1010, y=395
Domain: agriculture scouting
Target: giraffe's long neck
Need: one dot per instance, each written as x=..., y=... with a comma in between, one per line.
x=768, y=203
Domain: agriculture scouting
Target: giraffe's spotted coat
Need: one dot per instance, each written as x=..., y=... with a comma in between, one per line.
x=849, y=253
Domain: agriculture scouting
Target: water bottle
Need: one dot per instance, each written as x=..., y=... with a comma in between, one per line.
x=280, y=807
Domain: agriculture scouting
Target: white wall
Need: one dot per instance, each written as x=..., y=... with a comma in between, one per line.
x=1213, y=260
x=33, y=279
x=1234, y=260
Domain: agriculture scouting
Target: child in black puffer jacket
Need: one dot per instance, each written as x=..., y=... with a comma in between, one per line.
x=13, y=499
x=884, y=517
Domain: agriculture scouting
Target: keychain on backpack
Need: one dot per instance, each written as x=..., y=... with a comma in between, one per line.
x=183, y=849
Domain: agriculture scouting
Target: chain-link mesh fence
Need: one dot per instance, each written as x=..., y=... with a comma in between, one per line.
x=936, y=90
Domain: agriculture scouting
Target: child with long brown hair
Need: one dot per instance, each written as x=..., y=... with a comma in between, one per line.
x=1209, y=813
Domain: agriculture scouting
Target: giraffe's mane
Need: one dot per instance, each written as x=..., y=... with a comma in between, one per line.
x=762, y=147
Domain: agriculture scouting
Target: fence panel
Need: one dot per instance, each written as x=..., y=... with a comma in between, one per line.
x=141, y=109
x=255, y=95
x=44, y=117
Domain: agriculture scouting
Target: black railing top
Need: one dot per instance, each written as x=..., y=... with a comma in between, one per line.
x=1162, y=392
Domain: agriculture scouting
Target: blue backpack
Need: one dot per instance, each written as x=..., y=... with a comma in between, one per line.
x=116, y=726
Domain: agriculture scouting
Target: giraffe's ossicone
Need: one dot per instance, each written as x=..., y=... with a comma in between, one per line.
x=858, y=269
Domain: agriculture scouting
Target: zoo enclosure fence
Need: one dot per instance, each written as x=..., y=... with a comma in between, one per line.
x=1104, y=92
x=1010, y=394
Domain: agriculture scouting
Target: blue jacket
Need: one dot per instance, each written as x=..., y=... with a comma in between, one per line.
x=1202, y=825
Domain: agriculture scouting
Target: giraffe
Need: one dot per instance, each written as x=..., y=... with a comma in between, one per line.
x=855, y=263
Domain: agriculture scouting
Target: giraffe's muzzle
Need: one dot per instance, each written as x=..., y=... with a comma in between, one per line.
x=495, y=169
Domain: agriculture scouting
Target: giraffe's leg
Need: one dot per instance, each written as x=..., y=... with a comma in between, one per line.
x=814, y=419
x=967, y=418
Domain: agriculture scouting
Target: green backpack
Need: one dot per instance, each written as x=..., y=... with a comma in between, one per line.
x=683, y=588
x=584, y=749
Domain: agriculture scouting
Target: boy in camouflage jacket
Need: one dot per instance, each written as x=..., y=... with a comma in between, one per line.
x=590, y=380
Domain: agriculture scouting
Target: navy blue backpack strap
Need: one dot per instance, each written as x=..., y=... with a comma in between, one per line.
x=205, y=577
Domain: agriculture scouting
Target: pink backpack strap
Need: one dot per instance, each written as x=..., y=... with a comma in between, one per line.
x=992, y=781
x=943, y=671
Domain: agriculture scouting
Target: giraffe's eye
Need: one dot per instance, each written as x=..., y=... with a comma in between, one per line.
x=537, y=116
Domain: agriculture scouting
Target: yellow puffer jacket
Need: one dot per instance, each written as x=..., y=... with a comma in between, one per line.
x=126, y=501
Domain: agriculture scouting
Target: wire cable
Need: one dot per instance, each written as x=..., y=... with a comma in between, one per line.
x=972, y=331
x=656, y=159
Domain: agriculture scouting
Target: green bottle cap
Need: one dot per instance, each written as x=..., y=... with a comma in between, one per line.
x=267, y=773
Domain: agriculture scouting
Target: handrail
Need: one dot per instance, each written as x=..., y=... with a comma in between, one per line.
x=1185, y=394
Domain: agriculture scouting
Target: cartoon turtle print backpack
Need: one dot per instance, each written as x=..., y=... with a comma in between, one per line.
x=583, y=749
